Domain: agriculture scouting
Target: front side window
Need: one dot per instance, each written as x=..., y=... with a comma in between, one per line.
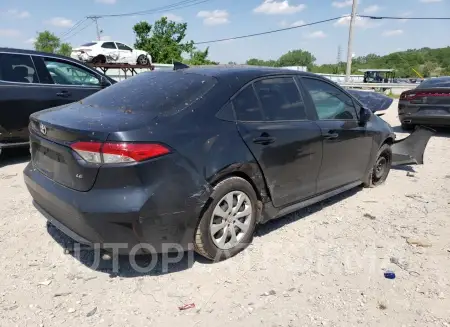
x=17, y=68
x=280, y=99
x=109, y=45
x=64, y=73
x=122, y=46
x=246, y=105
x=330, y=102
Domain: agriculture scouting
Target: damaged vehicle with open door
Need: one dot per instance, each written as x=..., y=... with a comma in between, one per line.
x=197, y=157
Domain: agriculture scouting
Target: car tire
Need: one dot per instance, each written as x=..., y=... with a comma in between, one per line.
x=381, y=168
x=215, y=242
x=100, y=59
x=143, y=60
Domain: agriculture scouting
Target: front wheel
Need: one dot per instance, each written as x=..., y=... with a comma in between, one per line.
x=143, y=60
x=227, y=226
x=380, y=170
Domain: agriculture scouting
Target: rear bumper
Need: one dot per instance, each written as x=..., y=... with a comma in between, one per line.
x=14, y=145
x=122, y=219
x=424, y=119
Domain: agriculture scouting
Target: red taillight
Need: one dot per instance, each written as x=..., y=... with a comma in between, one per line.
x=419, y=95
x=110, y=153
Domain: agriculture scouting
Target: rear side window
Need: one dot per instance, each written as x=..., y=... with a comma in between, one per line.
x=109, y=45
x=246, y=105
x=280, y=99
x=17, y=68
x=157, y=92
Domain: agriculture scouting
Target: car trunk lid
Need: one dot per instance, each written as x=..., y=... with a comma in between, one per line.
x=53, y=131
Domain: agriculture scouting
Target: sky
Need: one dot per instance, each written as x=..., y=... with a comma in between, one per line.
x=21, y=20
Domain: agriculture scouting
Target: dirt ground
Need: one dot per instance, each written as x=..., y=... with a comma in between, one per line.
x=322, y=266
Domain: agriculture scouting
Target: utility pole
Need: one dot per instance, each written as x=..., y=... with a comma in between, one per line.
x=339, y=59
x=350, y=41
x=95, y=19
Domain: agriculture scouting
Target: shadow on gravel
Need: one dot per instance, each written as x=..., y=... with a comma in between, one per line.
x=404, y=168
x=275, y=224
x=95, y=259
x=14, y=156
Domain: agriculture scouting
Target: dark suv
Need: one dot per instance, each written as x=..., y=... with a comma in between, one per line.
x=31, y=81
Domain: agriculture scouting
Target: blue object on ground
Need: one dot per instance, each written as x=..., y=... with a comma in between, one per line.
x=389, y=274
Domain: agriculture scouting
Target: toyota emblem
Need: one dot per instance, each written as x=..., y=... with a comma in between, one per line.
x=42, y=128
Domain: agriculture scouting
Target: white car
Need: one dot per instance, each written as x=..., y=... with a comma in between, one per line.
x=111, y=52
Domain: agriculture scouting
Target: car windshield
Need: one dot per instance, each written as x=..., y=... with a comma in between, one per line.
x=157, y=92
x=435, y=82
x=89, y=44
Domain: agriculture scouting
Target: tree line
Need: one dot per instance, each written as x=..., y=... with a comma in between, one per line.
x=166, y=41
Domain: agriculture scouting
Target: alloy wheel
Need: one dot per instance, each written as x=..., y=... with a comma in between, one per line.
x=231, y=220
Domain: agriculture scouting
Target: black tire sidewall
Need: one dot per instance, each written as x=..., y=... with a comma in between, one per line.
x=222, y=188
x=383, y=149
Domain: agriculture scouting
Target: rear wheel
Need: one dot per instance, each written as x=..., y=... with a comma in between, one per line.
x=143, y=60
x=380, y=170
x=227, y=226
x=100, y=59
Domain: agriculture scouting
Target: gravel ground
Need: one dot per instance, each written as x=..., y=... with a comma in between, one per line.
x=322, y=266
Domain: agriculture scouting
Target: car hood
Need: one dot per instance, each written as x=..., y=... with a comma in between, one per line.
x=372, y=100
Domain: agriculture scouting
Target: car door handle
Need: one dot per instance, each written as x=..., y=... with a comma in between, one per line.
x=331, y=136
x=63, y=94
x=264, y=140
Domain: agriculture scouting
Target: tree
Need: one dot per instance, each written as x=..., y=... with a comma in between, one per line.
x=46, y=41
x=199, y=57
x=259, y=62
x=297, y=58
x=164, y=40
x=64, y=49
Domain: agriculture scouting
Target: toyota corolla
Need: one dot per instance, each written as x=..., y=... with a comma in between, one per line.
x=200, y=156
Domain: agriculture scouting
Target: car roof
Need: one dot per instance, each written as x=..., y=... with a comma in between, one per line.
x=241, y=74
x=104, y=41
x=31, y=52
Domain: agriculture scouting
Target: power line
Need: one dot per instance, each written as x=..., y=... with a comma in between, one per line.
x=74, y=27
x=404, y=18
x=79, y=31
x=177, y=5
x=270, y=32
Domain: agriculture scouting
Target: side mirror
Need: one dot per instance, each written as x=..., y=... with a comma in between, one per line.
x=364, y=115
x=104, y=82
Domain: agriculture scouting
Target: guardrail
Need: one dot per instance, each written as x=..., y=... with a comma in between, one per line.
x=378, y=85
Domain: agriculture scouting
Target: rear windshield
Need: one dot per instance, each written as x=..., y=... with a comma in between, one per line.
x=156, y=92
x=89, y=44
x=435, y=82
